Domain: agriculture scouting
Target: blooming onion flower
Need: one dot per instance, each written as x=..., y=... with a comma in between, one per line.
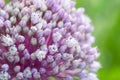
x=40, y=39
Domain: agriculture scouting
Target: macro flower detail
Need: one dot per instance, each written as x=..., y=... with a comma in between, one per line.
x=40, y=39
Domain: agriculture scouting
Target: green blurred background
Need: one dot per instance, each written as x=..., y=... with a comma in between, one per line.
x=105, y=15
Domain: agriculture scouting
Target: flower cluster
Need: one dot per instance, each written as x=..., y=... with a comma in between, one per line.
x=40, y=39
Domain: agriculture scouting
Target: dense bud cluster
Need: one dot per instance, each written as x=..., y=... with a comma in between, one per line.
x=40, y=39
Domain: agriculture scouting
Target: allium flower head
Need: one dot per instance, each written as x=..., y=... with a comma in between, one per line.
x=40, y=39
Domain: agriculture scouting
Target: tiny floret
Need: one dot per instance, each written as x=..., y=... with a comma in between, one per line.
x=13, y=50
x=7, y=40
x=4, y=76
x=19, y=76
x=53, y=48
x=5, y=67
x=27, y=73
x=40, y=54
